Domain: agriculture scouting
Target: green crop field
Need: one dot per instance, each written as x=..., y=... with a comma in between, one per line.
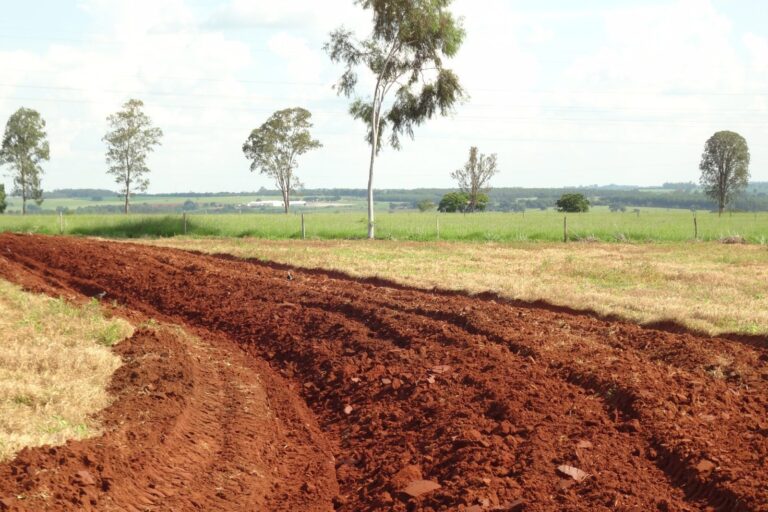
x=648, y=225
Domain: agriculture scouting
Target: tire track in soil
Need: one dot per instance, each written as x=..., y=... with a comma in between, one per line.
x=513, y=404
x=191, y=429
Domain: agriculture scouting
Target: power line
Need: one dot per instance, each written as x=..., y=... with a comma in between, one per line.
x=557, y=108
x=458, y=117
x=100, y=41
x=571, y=91
x=136, y=93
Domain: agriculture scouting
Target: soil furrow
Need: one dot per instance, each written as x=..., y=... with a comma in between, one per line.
x=697, y=403
x=485, y=398
x=190, y=429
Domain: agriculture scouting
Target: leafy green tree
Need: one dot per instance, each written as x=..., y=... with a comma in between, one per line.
x=3, y=204
x=460, y=202
x=453, y=202
x=24, y=147
x=474, y=177
x=275, y=146
x=130, y=140
x=572, y=203
x=405, y=54
x=481, y=202
x=724, y=167
x=425, y=205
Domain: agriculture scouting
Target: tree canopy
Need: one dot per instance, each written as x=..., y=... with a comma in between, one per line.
x=130, y=140
x=474, y=177
x=454, y=202
x=724, y=167
x=572, y=203
x=24, y=148
x=405, y=53
x=425, y=205
x=275, y=146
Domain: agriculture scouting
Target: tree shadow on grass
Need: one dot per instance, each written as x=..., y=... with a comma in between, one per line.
x=143, y=227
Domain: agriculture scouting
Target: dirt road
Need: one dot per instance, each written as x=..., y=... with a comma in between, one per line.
x=385, y=393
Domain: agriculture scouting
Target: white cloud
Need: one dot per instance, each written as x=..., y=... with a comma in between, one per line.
x=304, y=64
x=540, y=34
x=758, y=50
x=87, y=82
x=306, y=15
x=240, y=14
x=678, y=45
x=127, y=20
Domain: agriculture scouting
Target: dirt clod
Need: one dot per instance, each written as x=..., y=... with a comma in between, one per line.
x=420, y=487
x=405, y=476
x=705, y=466
x=84, y=478
x=575, y=473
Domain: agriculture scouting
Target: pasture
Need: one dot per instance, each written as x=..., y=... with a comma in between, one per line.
x=645, y=225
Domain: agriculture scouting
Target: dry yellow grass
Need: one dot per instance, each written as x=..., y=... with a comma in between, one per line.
x=709, y=287
x=55, y=364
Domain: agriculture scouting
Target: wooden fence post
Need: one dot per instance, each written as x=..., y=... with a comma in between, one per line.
x=61, y=222
x=695, y=228
x=565, y=228
x=303, y=230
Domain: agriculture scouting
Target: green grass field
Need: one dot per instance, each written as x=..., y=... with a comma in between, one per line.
x=651, y=225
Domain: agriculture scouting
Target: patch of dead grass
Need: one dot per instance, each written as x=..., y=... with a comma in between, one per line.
x=55, y=365
x=709, y=287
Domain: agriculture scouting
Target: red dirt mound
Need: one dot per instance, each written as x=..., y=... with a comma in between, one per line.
x=444, y=402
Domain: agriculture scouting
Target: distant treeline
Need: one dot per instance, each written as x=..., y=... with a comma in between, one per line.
x=670, y=195
x=79, y=193
x=683, y=195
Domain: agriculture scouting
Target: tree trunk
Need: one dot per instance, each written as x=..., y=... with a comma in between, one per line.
x=286, y=200
x=371, y=229
x=127, y=185
x=374, y=144
x=23, y=194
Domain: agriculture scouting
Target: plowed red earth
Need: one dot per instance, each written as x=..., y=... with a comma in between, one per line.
x=312, y=391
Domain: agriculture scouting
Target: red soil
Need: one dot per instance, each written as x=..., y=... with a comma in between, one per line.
x=192, y=428
x=426, y=400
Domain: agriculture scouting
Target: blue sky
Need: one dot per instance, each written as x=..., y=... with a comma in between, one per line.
x=567, y=93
